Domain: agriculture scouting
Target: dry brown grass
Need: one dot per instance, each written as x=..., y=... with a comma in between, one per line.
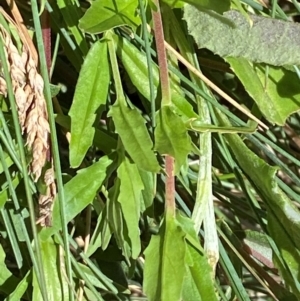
x=28, y=86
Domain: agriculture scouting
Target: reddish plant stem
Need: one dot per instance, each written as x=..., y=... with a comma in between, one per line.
x=46, y=32
x=166, y=100
x=170, y=186
x=161, y=55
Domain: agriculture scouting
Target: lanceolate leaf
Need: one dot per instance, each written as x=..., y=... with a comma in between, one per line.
x=277, y=96
x=106, y=14
x=135, y=64
x=8, y=281
x=283, y=216
x=148, y=193
x=90, y=94
x=171, y=137
x=20, y=290
x=79, y=192
x=93, y=279
x=173, y=263
x=290, y=270
x=267, y=40
x=263, y=177
x=57, y=285
x=130, y=125
x=4, y=194
x=102, y=139
x=165, y=263
x=116, y=220
x=153, y=268
x=129, y=197
x=198, y=286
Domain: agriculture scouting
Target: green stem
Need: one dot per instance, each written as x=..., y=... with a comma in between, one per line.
x=149, y=61
x=54, y=145
x=19, y=213
x=115, y=68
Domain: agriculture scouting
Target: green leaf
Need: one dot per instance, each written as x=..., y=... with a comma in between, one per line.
x=90, y=94
x=8, y=160
x=188, y=227
x=8, y=281
x=5, y=194
x=263, y=177
x=79, y=192
x=20, y=290
x=171, y=136
x=116, y=221
x=18, y=223
x=92, y=278
x=102, y=233
x=148, y=193
x=289, y=252
x=90, y=295
x=57, y=286
x=190, y=291
x=54, y=89
x=216, y=5
x=267, y=40
x=278, y=98
x=198, y=285
x=69, y=29
x=130, y=125
x=103, y=140
x=259, y=247
x=129, y=197
x=283, y=216
x=106, y=14
x=181, y=106
x=237, y=5
x=71, y=13
x=135, y=64
x=165, y=263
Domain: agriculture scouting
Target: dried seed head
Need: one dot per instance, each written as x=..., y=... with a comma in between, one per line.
x=39, y=84
x=17, y=75
x=3, y=87
x=49, y=176
x=28, y=86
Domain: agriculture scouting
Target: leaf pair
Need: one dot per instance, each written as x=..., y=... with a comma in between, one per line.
x=91, y=93
x=173, y=261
